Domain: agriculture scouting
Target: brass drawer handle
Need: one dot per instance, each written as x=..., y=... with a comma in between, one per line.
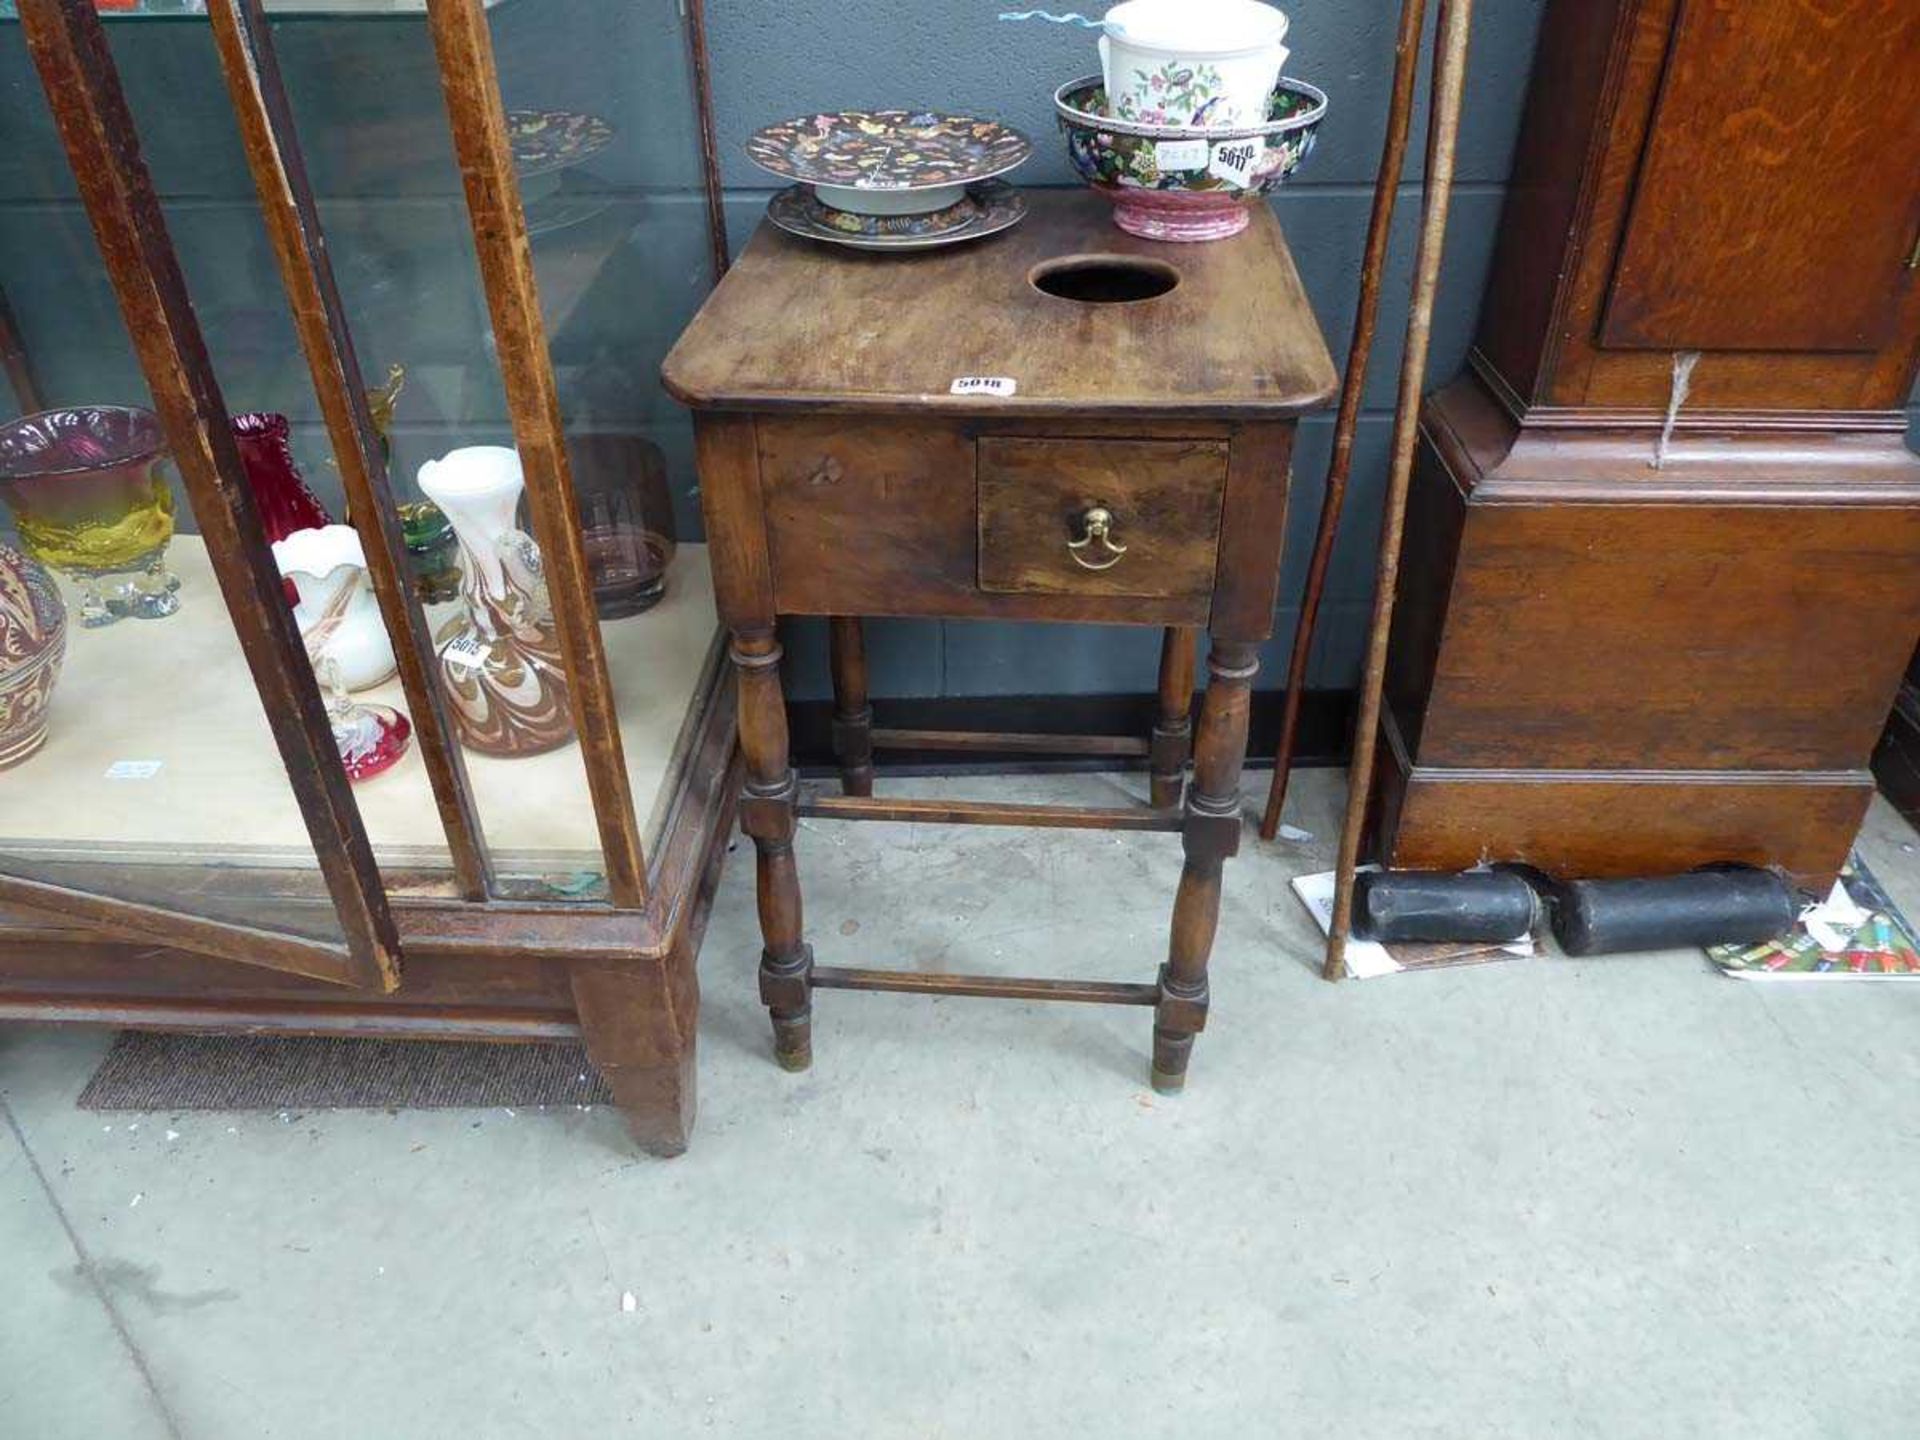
x=1097, y=526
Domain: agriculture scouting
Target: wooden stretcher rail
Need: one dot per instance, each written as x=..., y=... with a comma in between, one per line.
x=1013, y=741
x=983, y=812
x=991, y=987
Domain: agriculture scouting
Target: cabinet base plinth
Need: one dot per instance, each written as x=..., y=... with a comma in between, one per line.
x=1599, y=824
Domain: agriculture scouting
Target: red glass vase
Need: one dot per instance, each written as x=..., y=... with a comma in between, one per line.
x=280, y=494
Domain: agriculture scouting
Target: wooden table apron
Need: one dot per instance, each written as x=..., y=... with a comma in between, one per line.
x=841, y=477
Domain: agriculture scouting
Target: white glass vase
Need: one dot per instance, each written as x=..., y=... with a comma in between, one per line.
x=502, y=665
x=328, y=568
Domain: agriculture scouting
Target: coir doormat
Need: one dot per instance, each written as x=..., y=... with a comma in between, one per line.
x=147, y=1071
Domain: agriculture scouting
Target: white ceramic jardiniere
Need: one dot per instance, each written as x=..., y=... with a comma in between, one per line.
x=1192, y=62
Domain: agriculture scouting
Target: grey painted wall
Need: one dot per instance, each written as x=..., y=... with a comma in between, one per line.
x=954, y=55
x=772, y=62
x=367, y=100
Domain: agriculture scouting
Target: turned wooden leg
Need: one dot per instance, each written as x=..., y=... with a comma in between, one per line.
x=640, y=1018
x=852, y=714
x=767, y=814
x=1210, y=834
x=1173, y=730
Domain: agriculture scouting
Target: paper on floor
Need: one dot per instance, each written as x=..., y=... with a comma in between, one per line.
x=1367, y=959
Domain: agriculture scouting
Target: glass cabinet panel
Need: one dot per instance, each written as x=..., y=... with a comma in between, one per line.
x=604, y=134
x=601, y=96
x=141, y=768
x=602, y=125
x=372, y=122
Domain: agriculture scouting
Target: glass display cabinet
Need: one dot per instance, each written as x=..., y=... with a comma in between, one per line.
x=357, y=674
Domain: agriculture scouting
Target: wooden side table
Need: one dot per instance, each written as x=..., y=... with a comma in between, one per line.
x=1125, y=464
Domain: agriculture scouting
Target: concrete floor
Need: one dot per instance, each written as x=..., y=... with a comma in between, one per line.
x=1610, y=1198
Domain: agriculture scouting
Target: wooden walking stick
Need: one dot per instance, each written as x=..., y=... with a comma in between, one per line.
x=1366, y=316
x=1449, y=87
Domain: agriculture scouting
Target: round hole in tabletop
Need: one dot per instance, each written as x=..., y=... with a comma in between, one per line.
x=1103, y=279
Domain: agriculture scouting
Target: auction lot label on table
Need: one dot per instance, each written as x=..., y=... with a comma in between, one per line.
x=1001, y=385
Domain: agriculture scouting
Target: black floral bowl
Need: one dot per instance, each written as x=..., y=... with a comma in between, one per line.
x=1176, y=182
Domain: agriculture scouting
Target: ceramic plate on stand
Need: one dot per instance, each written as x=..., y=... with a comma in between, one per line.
x=888, y=162
x=546, y=143
x=564, y=208
x=984, y=209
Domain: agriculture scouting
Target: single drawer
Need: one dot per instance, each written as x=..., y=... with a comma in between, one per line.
x=867, y=517
x=1100, y=517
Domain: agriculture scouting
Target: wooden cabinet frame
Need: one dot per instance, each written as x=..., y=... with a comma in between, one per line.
x=1642, y=625
x=619, y=973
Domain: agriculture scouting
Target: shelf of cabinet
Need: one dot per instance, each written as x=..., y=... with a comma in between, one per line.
x=177, y=691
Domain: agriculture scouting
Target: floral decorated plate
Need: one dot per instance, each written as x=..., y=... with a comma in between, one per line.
x=983, y=209
x=547, y=143
x=553, y=139
x=563, y=209
x=547, y=140
x=888, y=162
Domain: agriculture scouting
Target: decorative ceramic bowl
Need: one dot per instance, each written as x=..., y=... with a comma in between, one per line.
x=1175, y=182
x=91, y=498
x=33, y=641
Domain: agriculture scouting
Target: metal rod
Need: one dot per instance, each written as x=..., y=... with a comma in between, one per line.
x=1455, y=28
x=69, y=47
x=478, y=119
x=244, y=39
x=709, y=145
x=1366, y=317
x=982, y=812
x=991, y=987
